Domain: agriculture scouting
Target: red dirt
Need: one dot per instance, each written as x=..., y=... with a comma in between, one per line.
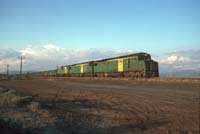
x=157, y=107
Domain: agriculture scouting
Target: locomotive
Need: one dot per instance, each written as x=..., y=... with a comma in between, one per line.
x=132, y=65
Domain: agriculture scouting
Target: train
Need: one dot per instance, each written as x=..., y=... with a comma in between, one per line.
x=132, y=65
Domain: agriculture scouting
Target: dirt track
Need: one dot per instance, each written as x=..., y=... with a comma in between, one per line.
x=114, y=106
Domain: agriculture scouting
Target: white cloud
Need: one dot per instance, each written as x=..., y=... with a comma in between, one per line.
x=175, y=59
x=49, y=56
x=42, y=51
x=8, y=56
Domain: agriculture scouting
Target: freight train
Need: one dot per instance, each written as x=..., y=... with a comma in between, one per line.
x=132, y=65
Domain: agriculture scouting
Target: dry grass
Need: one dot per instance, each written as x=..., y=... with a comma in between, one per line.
x=11, y=97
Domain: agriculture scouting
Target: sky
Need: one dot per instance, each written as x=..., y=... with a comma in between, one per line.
x=94, y=29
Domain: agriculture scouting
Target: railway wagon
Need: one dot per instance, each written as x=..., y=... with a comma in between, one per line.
x=75, y=70
x=133, y=65
x=49, y=73
x=62, y=71
x=82, y=69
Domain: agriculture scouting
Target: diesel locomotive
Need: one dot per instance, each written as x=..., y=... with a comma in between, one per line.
x=132, y=65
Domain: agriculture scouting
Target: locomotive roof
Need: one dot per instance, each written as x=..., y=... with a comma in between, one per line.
x=123, y=56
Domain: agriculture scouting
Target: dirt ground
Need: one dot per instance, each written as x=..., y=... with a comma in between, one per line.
x=107, y=106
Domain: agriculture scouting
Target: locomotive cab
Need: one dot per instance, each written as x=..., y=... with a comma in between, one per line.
x=144, y=56
x=152, y=68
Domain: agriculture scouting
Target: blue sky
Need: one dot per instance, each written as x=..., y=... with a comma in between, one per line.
x=53, y=33
x=142, y=25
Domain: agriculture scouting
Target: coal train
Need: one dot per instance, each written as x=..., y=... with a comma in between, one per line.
x=132, y=65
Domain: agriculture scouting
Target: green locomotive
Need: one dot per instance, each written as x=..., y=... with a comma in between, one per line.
x=133, y=65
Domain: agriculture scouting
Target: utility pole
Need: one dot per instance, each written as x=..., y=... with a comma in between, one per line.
x=0, y=66
x=7, y=70
x=21, y=58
